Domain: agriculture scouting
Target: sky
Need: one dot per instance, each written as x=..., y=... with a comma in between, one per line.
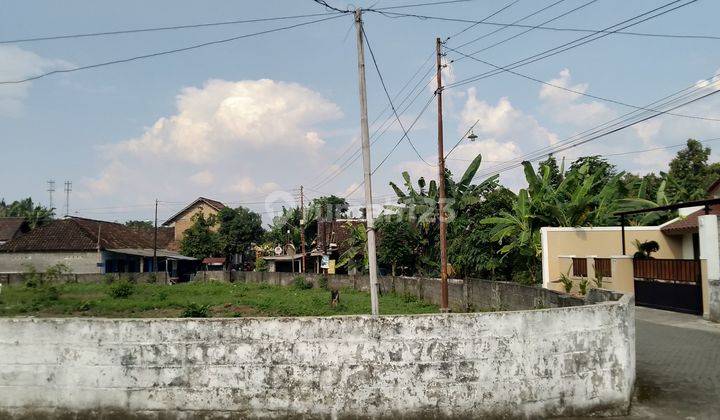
x=247, y=122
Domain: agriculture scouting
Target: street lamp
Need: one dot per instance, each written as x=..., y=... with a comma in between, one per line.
x=472, y=136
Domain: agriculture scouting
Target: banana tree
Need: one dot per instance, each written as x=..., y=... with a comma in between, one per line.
x=643, y=201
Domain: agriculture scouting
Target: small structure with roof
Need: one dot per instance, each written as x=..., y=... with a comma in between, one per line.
x=183, y=219
x=94, y=246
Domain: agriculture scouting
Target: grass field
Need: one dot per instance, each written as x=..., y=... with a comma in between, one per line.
x=209, y=299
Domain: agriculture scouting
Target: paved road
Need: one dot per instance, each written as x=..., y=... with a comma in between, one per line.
x=678, y=366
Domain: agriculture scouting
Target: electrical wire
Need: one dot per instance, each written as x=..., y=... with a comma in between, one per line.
x=157, y=29
x=577, y=42
x=387, y=94
x=502, y=9
x=614, y=101
x=165, y=52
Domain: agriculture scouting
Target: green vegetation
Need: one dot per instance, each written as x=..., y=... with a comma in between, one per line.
x=193, y=300
x=35, y=214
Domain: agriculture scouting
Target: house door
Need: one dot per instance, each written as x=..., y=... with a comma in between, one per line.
x=673, y=285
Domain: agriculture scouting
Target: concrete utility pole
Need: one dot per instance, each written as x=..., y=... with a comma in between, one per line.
x=155, y=264
x=302, y=229
x=441, y=186
x=365, y=134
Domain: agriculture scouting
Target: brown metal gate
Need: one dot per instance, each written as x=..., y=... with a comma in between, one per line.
x=673, y=285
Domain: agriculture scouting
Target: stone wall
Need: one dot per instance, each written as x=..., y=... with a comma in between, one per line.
x=463, y=295
x=553, y=362
x=19, y=278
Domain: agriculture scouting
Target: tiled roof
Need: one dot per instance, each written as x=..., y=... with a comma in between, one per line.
x=201, y=200
x=688, y=224
x=79, y=234
x=10, y=227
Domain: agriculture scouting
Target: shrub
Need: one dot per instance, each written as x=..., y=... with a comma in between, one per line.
x=194, y=310
x=44, y=296
x=55, y=272
x=31, y=277
x=598, y=280
x=84, y=306
x=122, y=289
x=260, y=264
x=152, y=278
x=583, y=286
x=300, y=283
x=566, y=281
x=323, y=283
x=108, y=279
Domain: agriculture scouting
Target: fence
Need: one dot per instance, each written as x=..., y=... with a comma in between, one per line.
x=665, y=269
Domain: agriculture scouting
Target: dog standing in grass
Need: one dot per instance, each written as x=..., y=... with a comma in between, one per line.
x=334, y=297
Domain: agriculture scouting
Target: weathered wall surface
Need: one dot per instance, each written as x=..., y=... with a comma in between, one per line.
x=19, y=278
x=79, y=262
x=463, y=295
x=561, y=361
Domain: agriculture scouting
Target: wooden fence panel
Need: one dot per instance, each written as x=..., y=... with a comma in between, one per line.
x=666, y=269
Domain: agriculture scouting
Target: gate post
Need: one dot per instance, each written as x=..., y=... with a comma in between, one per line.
x=710, y=252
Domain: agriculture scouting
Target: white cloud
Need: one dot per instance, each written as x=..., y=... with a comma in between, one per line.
x=17, y=63
x=224, y=117
x=233, y=141
x=567, y=107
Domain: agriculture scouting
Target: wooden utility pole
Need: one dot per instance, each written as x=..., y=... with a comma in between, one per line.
x=302, y=229
x=441, y=186
x=155, y=264
x=365, y=134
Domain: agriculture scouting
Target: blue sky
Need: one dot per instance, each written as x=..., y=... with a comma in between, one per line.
x=260, y=116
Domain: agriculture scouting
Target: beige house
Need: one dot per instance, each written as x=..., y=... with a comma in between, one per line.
x=182, y=220
x=679, y=276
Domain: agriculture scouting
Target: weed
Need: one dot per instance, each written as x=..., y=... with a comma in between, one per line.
x=300, y=283
x=122, y=289
x=84, y=306
x=193, y=310
x=323, y=283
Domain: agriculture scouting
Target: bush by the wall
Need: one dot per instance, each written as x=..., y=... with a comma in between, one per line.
x=300, y=283
x=194, y=310
x=122, y=289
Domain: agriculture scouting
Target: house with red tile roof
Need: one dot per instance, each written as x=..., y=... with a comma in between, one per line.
x=93, y=246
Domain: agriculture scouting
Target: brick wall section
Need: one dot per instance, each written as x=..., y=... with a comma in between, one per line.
x=561, y=361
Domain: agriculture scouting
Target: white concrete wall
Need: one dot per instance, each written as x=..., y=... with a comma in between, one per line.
x=561, y=361
x=79, y=262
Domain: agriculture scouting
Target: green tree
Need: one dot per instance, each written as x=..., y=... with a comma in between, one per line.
x=328, y=208
x=239, y=229
x=690, y=175
x=35, y=214
x=139, y=224
x=397, y=243
x=556, y=172
x=199, y=240
x=355, y=254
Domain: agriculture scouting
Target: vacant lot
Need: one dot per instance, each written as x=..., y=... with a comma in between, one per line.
x=123, y=299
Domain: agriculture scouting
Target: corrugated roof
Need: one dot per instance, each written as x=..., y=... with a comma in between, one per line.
x=688, y=224
x=10, y=227
x=80, y=234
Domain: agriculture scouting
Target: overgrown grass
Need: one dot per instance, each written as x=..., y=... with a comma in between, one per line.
x=221, y=299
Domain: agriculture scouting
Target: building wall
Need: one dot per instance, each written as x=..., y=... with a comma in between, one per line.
x=599, y=242
x=528, y=364
x=79, y=262
x=185, y=220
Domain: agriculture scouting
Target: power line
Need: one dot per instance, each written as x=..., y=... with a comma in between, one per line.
x=327, y=6
x=157, y=29
x=387, y=94
x=502, y=28
x=577, y=42
x=593, y=135
x=554, y=28
x=165, y=52
x=437, y=3
x=614, y=101
x=507, y=6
